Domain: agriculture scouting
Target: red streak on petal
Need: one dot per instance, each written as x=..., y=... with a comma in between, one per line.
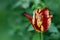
x=35, y=25
x=44, y=9
x=45, y=19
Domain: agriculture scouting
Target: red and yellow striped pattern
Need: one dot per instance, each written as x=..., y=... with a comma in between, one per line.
x=41, y=19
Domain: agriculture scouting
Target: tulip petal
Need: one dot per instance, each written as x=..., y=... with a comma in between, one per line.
x=51, y=16
x=45, y=12
x=29, y=17
x=44, y=9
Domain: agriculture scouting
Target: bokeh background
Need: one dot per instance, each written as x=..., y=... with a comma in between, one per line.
x=15, y=26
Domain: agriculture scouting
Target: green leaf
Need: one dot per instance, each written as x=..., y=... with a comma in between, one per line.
x=53, y=28
x=54, y=36
x=30, y=28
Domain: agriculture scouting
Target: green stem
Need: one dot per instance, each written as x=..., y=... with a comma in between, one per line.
x=41, y=36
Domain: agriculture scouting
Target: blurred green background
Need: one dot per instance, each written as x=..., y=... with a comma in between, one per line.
x=15, y=26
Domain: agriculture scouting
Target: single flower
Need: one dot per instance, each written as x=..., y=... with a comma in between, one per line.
x=41, y=19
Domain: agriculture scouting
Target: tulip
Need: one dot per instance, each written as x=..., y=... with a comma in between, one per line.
x=41, y=19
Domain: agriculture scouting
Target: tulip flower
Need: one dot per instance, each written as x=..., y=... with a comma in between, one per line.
x=41, y=19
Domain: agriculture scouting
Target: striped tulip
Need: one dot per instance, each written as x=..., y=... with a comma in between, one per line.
x=41, y=19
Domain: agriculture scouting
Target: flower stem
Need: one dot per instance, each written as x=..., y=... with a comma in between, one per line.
x=41, y=36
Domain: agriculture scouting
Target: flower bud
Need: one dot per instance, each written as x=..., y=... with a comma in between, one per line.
x=41, y=19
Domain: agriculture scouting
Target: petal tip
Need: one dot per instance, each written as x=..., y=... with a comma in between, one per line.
x=28, y=16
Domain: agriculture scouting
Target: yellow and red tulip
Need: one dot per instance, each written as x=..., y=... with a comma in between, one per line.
x=41, y=19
